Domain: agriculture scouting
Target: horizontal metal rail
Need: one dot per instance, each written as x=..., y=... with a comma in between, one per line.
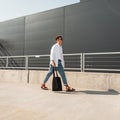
x=98, y=53
x=108, y=70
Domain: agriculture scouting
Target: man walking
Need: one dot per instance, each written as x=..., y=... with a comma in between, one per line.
x=57, y=60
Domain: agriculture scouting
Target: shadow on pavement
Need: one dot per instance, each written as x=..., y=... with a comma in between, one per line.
x=109, y=92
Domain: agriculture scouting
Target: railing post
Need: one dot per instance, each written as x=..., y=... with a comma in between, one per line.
x=7, y=62
x=26, y=63
x=83, y=62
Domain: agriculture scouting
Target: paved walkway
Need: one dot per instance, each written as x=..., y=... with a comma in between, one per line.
x=29, y=102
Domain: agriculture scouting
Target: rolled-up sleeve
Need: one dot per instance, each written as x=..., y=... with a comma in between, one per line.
x=52, y=53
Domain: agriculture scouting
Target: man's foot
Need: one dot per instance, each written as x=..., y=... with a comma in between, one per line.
x=44, y=87
x=69, y=89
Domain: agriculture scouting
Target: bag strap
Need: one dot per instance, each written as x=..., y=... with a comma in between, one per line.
x=55, y=71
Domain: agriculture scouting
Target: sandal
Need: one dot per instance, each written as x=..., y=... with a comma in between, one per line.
x=44, y=87
x=69, y=89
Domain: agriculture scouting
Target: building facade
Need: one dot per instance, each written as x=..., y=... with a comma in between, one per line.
x=88, y=26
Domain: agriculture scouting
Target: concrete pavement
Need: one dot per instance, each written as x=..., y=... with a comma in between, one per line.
x=29, y=102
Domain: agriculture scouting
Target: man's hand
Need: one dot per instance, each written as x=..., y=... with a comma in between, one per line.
x=53, y=63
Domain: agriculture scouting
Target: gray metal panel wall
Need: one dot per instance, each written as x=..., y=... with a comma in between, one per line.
x=88, y=26
x=92, y=26
x=12, y=36
x=41, y=29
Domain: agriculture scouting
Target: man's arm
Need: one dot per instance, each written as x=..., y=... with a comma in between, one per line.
x=52, y=56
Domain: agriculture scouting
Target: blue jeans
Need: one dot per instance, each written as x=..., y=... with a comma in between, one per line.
x=60, y=69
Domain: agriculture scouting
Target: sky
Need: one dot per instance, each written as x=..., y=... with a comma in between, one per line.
x=10, y=9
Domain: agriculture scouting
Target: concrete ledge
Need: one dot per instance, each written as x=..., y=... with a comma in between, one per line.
x=17, y=76
x=114, y=81
x=37, y=77
x=89, y=81
x=79, y=80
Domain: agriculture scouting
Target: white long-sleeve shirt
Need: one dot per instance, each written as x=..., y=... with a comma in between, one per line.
x=56, y=54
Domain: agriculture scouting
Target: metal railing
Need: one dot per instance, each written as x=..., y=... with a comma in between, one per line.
x=105, y=61
x=72, y=62
x=97, y=62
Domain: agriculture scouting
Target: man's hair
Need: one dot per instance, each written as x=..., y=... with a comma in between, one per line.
x=57, y=37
